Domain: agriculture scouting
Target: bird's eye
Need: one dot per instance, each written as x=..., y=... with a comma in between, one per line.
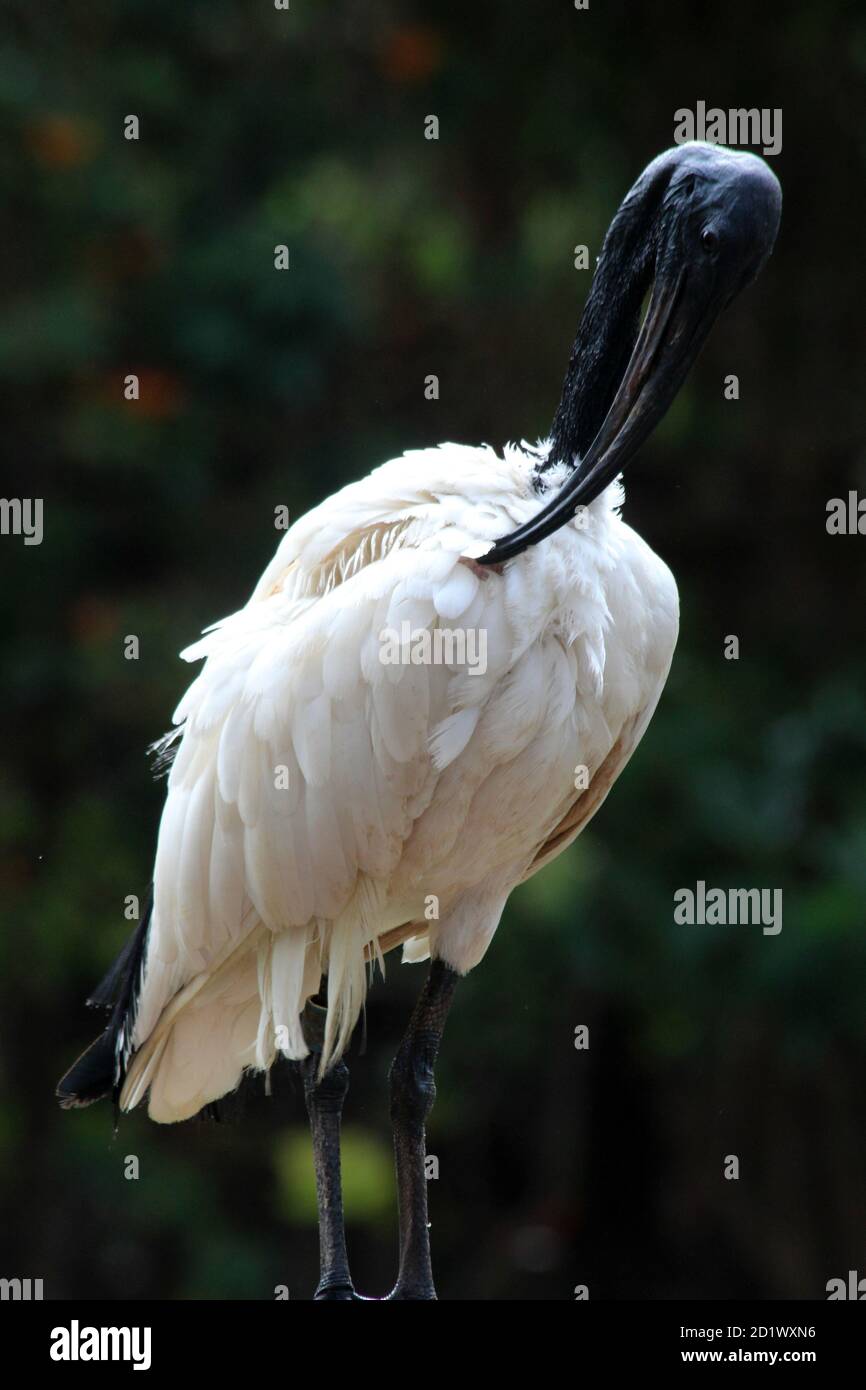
x=709, y=240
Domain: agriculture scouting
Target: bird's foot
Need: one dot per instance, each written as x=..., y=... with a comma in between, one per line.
x=335, y=1293
x=401, y=1293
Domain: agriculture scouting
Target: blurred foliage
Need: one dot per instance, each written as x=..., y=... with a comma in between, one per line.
x=262, y=127
x=366, y=1177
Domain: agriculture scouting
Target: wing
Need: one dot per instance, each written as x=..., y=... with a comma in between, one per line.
x=563, y=833
x=315, y=755
x=308, y=746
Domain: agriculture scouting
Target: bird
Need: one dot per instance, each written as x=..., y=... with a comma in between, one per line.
x=428, y=695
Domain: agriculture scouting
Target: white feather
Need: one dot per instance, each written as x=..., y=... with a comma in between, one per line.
x=404, y=779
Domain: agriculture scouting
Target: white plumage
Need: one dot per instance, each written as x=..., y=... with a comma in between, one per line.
x=321, y=797
x=350, y=775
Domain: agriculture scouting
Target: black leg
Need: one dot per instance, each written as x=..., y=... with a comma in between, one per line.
x=413, y=1092
x=324, y=1106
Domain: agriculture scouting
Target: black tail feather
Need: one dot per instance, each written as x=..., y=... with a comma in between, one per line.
x=92, y=1076
x=100, y=1070
x=111, y=986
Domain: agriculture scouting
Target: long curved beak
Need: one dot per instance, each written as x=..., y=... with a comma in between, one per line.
x=677, y=322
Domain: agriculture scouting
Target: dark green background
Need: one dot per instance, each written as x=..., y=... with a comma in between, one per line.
x=410, y=257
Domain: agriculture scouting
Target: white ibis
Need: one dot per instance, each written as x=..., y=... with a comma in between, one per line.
x=341, y=787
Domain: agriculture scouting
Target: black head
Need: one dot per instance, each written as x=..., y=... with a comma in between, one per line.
x=719, y=214
x=698, y=226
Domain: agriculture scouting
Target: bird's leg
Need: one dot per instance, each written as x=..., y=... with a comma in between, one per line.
x=324, y=1099
x=412, y=1095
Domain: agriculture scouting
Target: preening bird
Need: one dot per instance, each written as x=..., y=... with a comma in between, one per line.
x=384, y=741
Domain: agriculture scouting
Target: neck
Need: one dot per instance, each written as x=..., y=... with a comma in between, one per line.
x=608, y=327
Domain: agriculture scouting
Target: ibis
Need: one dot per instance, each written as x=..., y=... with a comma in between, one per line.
x=342, y=784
